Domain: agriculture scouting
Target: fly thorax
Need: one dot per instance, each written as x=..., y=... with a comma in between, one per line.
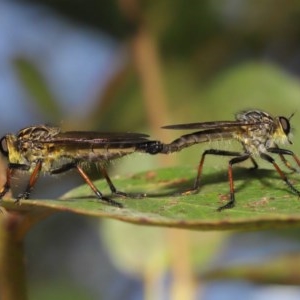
x=255, y=140
x=31, y=150
x=254, y=146
x=33, y=142
x=258, y=135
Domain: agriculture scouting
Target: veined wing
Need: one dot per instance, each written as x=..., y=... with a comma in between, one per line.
x=100, y=138
x=212, y=125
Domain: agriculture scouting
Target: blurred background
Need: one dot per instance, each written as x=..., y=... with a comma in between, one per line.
x=133, y=65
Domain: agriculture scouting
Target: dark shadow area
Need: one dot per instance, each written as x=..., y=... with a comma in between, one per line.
x=243, y=175
x=177, y=188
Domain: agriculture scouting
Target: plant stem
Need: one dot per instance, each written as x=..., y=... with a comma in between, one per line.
x=12, y=265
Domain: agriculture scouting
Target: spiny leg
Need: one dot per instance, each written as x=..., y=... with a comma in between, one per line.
x=110, y=184
x=281, y=153
x=233, y=161
x=70, y=166
x=287, y=163
x=113, y=188
x=201, y=163
x=95, y=190
x=32, y=180
x=99, y=195
x=7, y=184
x=271, y=160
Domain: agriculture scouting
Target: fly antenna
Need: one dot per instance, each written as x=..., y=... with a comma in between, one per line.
x=289, y=118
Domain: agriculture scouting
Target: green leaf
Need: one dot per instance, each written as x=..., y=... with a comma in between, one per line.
x=37, y=87
x=263, y=200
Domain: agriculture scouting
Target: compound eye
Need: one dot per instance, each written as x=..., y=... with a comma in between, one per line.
x=3, y=146
x=285, y=124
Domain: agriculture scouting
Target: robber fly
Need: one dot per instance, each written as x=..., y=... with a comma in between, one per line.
x=47, y=149
x=257, y=131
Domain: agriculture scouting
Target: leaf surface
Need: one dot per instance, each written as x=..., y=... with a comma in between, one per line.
x=263, y=201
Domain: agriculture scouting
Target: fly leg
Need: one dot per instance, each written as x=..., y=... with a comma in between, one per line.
x=287, y=163
x=233, y=161
x=98, y=194
x=95, y=190
x=281, y=153
x=32, y=181
x=255, y=165
x=113, y=188
x=239, y=157
x=196, y=186
x=279, y=171
x=6, y=186
x=110, y=184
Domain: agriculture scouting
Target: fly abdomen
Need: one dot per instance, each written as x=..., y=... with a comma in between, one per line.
x=188, y=140
x=183, y=142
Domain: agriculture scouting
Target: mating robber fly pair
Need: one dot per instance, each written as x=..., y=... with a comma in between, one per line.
x=49, y=150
